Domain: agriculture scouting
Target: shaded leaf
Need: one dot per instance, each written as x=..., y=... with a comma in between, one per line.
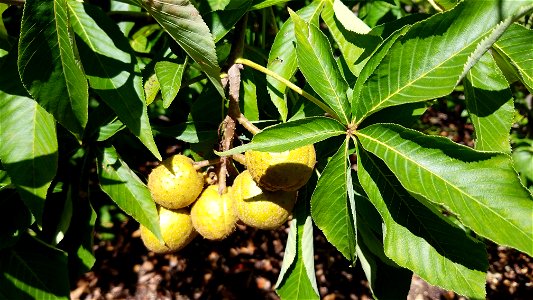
x=290, y=135
x=15, y=218
x=183, y=22
x=315, y=60
x=490, y=104
x=189, y=132
x=222, y=21
x=123, y=186
x=330, y=208
x=415, y=237
x=33, y=270
x=49, y=66
x=480, y=188
x=112, y=69
x=28, y=140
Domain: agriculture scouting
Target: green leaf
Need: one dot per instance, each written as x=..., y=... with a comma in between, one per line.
x=300, y=282
x=169, y=75
x=112, y=69
x=248, y=95
x=515, y=48
x=415, y=237
x=348, y=31
x=329, y=204
x=185, y=25
x=189, y=132
x=490, y=104
x=282, y=57
x=259, y=4
x=126, y=189
x=480, y=188
x=33, y=270
x=28, y=141
x=315, y=60
x=290, y=135
x=49, y=66
x=429, y=60
x=222, y=21
x=523, y=160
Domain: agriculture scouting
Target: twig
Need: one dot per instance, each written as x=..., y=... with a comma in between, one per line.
x=240, y=158
x=289, y=84
x=247, y=124
x=204, y=163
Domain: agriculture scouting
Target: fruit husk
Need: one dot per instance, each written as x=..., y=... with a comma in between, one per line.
x=175, y=183
x=213, y=215
x=260, y=208
x=287, y=171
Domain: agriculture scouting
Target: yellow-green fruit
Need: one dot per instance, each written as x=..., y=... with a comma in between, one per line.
x=176, y=228
x=259, y=208
x=175, y=183
x=213, y=215
x=287, y=171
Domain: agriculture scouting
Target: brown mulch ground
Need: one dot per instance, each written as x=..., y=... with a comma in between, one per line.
x=246, y=265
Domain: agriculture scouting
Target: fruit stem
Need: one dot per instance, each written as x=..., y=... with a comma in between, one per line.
x=289, y=84
x=204, y=163
x=239, y=158
x=247, y=124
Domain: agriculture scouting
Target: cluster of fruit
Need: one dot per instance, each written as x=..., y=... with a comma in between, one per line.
x=262, y=196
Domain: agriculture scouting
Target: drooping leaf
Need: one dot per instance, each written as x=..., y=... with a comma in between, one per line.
x=33, y=270
x=28, y=141
x=282, y=56
x=126, y=189
x=183, y=22
x=169, y=75
x=429, y=60
x=490, y=104
x=480, y=188
x=112, y=69
x=315, y=60
x=49, y=66
x=348, y=31
x=387, y=280
x=299, y=282
x=514, y=48
x=290, y=135
x=416, y=238
x=330, y=208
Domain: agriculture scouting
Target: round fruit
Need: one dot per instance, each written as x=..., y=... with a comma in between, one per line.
x=288, y=170
x=259, y=208
x=213, y=215
x=175, y=183
x=176, y=228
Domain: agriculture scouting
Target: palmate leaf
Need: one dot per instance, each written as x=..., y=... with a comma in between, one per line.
x=28, y=140
x=33, y=270
x=416, y=238
x=290, y=135
x=48, y=64
x=428, y=61
x=299, y=280
x=330, y=208
x=315, y=60
x=282, y=56
x=480, y=188
x=490, y=104
x=183, y=22
x=126, y=189
x=112, y=69
x=514, y=49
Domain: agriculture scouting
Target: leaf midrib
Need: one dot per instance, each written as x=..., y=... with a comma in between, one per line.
x=443, y=180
